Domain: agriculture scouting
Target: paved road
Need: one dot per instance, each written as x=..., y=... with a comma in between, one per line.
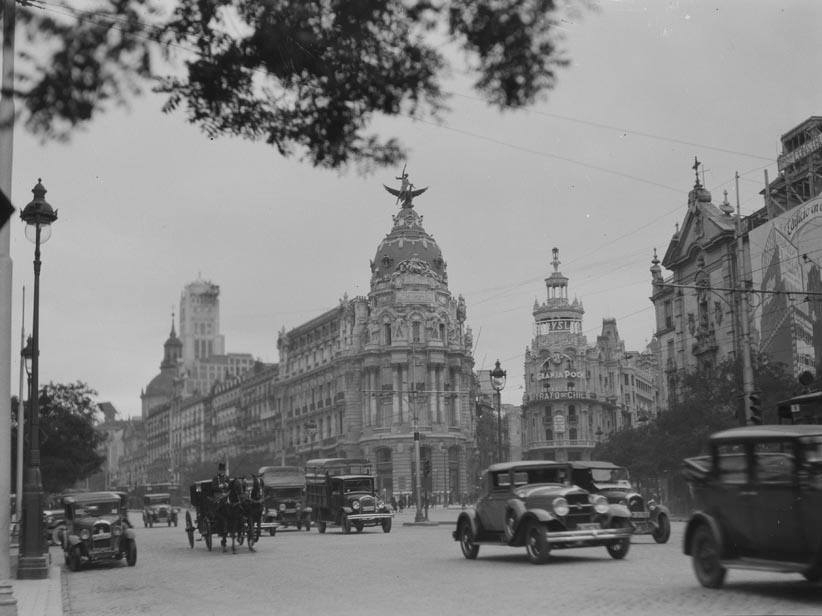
x=416, y=570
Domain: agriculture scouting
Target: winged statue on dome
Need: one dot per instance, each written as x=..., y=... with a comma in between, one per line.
x=406, y=192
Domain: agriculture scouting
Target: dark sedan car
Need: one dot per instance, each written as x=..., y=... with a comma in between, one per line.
x=647, y=515
x=97, y=529
x=534, y=504
x=758, y=499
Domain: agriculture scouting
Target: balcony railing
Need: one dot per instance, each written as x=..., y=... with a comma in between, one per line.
x=561, y=444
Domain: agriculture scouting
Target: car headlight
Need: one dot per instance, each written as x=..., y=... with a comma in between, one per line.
x=356, y=504
x=116, y=531
x=282, y=506
x=49, y=519
x=600, y=503
x=380, y=504
x=651, y=507
x=84, y=534
x=561, y=507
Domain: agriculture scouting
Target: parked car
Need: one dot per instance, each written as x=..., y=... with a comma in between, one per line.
x=536, y=505
x=97, y=529
x=614, y=483
x=758, y=495
x=55, y=523
x=157, y=509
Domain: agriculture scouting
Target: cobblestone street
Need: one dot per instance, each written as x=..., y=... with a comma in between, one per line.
x=416, y=570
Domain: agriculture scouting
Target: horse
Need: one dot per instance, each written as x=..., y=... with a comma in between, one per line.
x=229, y=513
x=253, y=508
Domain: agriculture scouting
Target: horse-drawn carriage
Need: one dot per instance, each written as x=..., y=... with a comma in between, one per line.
x=237, y=513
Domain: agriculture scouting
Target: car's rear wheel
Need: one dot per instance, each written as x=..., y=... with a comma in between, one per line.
x=75, y=559
x=131, y=553
x=386, y=525
x=536, y=543
x=467, y=541
x=705, y=557
x=321, y=527
x=662, y=532
x=57, y=534
x=272, y=531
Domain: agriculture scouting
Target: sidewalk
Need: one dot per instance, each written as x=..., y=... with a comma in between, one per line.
x=37, y=597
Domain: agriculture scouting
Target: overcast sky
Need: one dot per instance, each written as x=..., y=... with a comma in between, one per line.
x=600, y=170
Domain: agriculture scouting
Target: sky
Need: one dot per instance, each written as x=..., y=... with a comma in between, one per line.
x=600, y=169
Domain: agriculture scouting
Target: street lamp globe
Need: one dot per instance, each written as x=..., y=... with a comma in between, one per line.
x=38, y=215
x=27, y=353
x=498, y=376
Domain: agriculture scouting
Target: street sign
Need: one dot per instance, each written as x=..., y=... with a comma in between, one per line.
x=6, y=209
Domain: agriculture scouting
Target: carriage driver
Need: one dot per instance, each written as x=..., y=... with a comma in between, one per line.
x=220, y=481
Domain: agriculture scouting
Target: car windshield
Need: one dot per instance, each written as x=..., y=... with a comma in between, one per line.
x=610, y=475
x=154, y=500
x=541, y=475
x=97, y=509
x=357, y=485
x=287, y=493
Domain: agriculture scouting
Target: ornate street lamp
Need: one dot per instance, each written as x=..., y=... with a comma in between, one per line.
x=33, y=561
x=498, y=376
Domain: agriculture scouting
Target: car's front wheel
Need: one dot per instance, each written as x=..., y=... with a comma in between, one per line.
x=131, y=553
x=346, y=525
x=619, y=549
x=467, y=541
x=705, y=557
x=536, y=543
x=662, y=531
x=321, y=526
x=386, y=525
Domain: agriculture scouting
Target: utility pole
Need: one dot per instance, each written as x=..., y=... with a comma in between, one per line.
x=418, y=516
x=741, y=297
x=6, y=150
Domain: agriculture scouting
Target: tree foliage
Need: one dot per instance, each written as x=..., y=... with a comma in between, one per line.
x=68, y=437
x=710, y=401
x=306, y=76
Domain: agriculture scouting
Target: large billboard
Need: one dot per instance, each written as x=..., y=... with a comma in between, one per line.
x=786, y=267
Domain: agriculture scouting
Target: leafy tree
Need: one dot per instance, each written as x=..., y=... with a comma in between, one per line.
x=68, y=437
x=307, y=76
x=710, y=401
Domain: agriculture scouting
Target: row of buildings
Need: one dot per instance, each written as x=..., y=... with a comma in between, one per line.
x=362, y=378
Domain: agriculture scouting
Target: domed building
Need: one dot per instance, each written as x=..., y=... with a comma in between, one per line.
x=362, y=379
x=162, y=387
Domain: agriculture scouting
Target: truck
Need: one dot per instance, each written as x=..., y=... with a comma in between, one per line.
x=284, y=498
x=341, y=492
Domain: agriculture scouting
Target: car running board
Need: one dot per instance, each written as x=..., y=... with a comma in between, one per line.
x=763, y=564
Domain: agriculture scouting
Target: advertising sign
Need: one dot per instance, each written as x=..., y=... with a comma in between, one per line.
x=786, y=266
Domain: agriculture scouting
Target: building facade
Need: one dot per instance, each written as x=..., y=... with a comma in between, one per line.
x=773, y=255
x=200, y=322
x=363, y=378
x=575, y=393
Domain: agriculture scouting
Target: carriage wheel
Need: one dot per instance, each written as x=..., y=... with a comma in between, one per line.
x=205, y=531
x=189, y=530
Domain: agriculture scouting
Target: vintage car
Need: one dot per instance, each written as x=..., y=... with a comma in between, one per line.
x=97, y=529
x=614, y=483
x=341, y=491
x=284, y=498
x=157, y=509
x=758, y=494
x=55, y=523
x=535, y=504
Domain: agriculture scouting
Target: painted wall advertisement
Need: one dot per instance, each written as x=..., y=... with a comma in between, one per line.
x=786, y=267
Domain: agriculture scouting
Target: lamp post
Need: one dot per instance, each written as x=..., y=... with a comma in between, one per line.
x=33, y=561
x=498, y=376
